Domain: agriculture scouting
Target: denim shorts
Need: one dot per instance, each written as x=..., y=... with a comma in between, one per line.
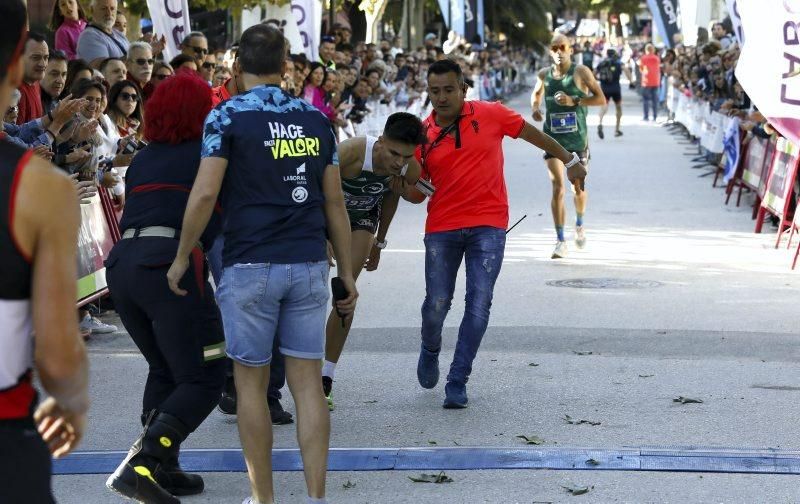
x=260, y=302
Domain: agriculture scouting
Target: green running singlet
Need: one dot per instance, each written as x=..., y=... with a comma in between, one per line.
x=567, y=125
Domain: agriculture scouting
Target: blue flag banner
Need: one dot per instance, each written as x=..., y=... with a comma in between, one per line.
x=665, y=18
x=733, y=149
x=444, y=6
x=457, y=20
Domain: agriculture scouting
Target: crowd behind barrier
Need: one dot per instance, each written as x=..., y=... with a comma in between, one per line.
x=706, y=104
x=82, y=102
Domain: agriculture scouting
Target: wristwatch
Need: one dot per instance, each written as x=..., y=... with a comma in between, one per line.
x=577, y=100
x=381, y=244
x=572, y=162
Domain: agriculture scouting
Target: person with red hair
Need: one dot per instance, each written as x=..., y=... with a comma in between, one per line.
x=180, y=336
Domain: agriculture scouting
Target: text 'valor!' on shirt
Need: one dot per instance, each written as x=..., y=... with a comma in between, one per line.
x=289, y=140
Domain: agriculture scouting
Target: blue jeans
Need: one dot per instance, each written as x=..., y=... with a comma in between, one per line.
x=483, y=247
x=650, y=97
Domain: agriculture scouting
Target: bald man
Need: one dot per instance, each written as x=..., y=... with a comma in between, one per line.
x=567, y=89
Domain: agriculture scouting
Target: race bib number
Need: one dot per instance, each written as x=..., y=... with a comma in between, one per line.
x=563, y=122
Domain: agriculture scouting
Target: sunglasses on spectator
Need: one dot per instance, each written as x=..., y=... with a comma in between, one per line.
x=209, y=65
x=143, y=61
x=199, y=50
x=558, y=47
x=162, y=76
x=12, y=110
x=129, y=97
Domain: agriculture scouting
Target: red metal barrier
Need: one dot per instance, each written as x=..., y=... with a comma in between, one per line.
x=776, y=197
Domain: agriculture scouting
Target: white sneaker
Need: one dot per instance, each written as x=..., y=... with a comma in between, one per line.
x=96, y=326
x=560, y=251
x=580, y=237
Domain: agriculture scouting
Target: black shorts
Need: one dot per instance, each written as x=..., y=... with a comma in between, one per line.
x=613, y=93
x=584, y=155
x=25, y=464
x=365, y=220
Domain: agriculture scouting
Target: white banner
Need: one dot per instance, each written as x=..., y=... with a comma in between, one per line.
x=769, y=64
x=279, y=16
x=170, y=18
x=308, y=15
x=736, y=20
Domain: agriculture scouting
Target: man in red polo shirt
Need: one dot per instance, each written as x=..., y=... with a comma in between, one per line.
x=467, y=215
x=650, y=64
x=34, y=57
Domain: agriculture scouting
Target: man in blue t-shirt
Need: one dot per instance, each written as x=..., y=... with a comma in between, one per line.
x=282, y=196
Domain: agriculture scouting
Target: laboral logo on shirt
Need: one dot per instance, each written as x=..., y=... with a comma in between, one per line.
x=289, y=140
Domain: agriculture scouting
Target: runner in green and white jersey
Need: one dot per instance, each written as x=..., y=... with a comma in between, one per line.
x=376, y=173
x=567, y=90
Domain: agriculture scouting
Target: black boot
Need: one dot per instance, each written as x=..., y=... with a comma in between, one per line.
x=159, y=442
x=171, y=477
x=177, y=482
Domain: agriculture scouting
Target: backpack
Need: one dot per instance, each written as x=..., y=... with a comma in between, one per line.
x=606, y=71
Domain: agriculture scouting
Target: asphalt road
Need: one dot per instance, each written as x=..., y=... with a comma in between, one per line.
x=704, y=309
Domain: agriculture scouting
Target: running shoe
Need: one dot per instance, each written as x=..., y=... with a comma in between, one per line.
x=600, y=132
x=327, y=389
x=96, y=326
x=618, y=133
x=560, y=251
x=580, y=237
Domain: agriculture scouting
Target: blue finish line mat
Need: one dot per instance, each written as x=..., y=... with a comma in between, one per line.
x=675, y=459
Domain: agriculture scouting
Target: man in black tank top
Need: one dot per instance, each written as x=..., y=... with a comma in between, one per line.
x=37, y=297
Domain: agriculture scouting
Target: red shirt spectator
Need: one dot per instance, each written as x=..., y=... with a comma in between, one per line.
x=30, y=103
x=469, y=182
x=650, y=65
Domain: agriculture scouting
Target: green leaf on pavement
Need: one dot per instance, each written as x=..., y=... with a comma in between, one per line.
x=592, y=462
x=577, y=490
x=349, y=485
x=432, y=478
x=371, y=402
x=532, y=440
x=533, y=364
x=687, y=400
x=432, y=442
x=646, y=375
x=582, y=352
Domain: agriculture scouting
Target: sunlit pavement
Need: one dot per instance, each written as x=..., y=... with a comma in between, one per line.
x=692, y=304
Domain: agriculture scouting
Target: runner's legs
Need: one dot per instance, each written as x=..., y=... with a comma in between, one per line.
x=335, y=334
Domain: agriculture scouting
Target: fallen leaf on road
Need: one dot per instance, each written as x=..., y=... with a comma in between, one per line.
x=432, y=478
x=371, y=402
x=349, y=485
x=432, y=442
x=687, y=400
x=572, y=421
x=592, y=462
x=577, y=490
x=533, y=440
x=533, y=364
x=582, y=352
x=646, y=375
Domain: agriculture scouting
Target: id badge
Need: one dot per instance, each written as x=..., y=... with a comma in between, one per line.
x=563, y=122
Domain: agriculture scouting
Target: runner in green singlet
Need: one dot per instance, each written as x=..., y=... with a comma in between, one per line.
x=567, y=90
x=376, y=173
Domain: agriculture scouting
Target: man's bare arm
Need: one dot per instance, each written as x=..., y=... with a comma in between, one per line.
x=536, y=137
x=339, y=234
x=60, y=356
x=538, y=90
